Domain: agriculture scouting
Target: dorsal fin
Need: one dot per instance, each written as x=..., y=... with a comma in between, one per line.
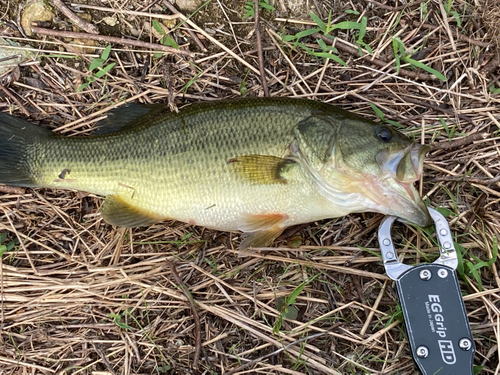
x=125, y=116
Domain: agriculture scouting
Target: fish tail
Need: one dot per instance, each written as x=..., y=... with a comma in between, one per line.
x=17, y=139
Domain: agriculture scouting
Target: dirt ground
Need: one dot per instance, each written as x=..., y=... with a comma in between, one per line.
x=79, y=296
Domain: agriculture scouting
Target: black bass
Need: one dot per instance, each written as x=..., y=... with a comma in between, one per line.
x=256, y=165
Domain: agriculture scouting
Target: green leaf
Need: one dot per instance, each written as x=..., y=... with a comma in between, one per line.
x=104, y=70
x=377, y=111
x=117, y=320
x=457, y=18
x=395, y=123
x=304, y=33
x=11, y=244
x=446, y=212
x=427, y=68
x=494, y=90
x=83, y=86
x=3, y=249
x=3, y=237
x=318, y=21
x=105, y=53
x=350, y=11
x=347, y=25
x=362, y=29
x=460, y=251
x=296, y=292
x=96, y=63
x=290, y=312
x=157, y=26
x=395, y=49
x=266, y=5
x=331, y=56
x=168, y=41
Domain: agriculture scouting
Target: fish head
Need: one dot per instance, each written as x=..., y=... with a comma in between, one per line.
x=372, y=162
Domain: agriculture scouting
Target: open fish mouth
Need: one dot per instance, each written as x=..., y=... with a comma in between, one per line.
x=400, y=171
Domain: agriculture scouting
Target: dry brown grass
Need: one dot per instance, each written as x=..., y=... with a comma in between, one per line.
x=79, y=296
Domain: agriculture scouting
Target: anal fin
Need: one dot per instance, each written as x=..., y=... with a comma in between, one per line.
x=116, y=211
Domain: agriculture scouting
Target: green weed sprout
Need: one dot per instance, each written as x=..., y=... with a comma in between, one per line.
x=97, y=65
x=250, y=11
x=329, y=52
x=401, y=55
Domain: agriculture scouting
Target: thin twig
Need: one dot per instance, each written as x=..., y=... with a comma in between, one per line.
x=259, y=48
x=471, y=180
x=192, y=305
x=13, y=97
x=459, y=142
x=260, y=359
x=191, y=33
x=439, y=109
x=82, y=24
x=395, y=9
x=110, y=39
x=463, y=38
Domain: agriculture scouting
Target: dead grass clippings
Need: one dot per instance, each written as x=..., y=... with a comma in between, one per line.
x=79, y=296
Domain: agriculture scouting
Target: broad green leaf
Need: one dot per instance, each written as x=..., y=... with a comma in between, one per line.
x=96, y=63
x=104, y=70
x=168, y=41
x=347, y=25
x=318, y=21
x=290, y=312
x=105, y=53
x=494, y=90
x=446, y=212
x=307, y=32
x=83, y=86
x=157, y=26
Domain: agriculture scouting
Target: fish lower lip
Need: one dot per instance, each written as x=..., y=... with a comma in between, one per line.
x=420, y=215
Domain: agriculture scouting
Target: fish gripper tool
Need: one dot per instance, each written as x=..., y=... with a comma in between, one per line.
x=434, y=313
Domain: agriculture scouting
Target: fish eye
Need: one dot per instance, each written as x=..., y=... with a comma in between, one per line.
x=384, y=134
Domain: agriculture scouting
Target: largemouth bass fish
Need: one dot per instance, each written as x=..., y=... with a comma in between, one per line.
x=255, y=165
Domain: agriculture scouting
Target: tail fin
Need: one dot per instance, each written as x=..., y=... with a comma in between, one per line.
x=16, y=139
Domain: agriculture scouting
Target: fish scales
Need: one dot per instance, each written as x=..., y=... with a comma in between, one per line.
x=255, y=165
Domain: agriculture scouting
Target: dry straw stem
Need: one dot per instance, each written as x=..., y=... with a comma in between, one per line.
x=79, y=296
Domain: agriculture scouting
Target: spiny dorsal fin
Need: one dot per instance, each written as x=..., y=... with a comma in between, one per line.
x=116, y=211
x=261, y=169
x=125, y=116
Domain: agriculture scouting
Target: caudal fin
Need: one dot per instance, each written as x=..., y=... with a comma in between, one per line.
x=17, y=140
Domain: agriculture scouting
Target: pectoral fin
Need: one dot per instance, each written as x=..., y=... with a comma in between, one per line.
x=116, y=211
x=261, y=169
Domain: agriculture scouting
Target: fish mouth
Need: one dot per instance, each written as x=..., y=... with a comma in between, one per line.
x=400, y=198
